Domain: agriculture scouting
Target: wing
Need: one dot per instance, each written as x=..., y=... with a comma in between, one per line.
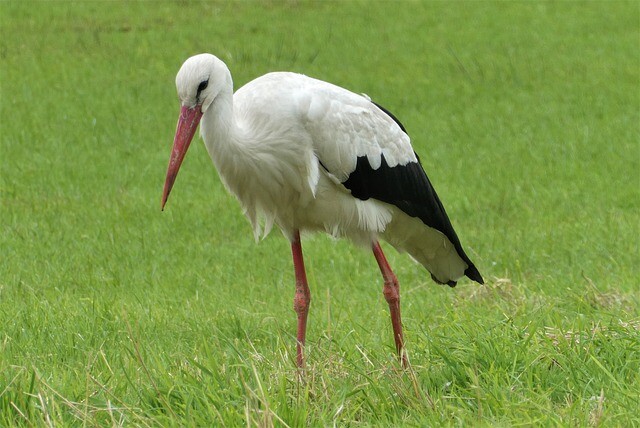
x=345, y=126
x=369, y=152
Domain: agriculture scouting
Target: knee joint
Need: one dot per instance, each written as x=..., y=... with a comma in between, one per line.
x=390, y=292
x=301, y=302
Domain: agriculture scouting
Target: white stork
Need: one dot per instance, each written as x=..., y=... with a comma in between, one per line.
x=311, y=156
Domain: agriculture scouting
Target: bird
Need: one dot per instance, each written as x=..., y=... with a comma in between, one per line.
x=310, y=156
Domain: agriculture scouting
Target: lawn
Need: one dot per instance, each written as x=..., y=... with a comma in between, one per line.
x=526, y=116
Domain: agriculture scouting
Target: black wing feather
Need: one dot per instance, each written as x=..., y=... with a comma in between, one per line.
x=408, y=188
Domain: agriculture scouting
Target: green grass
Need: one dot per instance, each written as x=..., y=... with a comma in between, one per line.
x=526, y=117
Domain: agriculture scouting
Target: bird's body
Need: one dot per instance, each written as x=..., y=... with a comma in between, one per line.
x=283, y=125
x=308, y=155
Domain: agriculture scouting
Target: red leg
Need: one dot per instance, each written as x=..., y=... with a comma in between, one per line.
x=302, y=297
x=391, y=291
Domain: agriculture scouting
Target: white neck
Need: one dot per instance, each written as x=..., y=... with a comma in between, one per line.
x=227, y=144
x=218, y=126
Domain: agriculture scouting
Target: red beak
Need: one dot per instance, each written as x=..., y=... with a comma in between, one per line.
x=187, y=125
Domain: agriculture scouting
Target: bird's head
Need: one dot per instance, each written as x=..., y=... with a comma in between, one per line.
x=201, y=79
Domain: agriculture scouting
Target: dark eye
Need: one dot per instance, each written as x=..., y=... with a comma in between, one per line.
x=202, y=86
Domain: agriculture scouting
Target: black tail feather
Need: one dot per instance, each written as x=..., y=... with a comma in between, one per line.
x=473, y=273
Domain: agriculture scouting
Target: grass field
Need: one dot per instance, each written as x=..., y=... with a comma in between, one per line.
x=527, y=120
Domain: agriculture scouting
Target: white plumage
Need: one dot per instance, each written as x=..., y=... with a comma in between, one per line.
x=268, y=154
x=289, y=147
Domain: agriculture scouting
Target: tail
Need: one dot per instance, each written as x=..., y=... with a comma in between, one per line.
x=431, y=248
